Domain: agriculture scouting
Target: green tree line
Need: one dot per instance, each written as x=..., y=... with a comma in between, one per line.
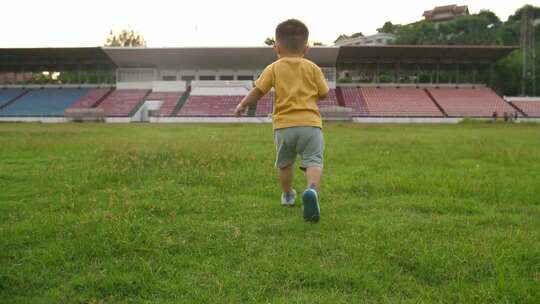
x=484, y=28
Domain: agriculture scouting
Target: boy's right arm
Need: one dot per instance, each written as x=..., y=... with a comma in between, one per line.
x=251, y=98
x=262, y=86
x=323, y=96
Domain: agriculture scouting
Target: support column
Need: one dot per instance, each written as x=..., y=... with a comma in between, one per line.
x=398, y=73
x=110, y=75
x=377, y=72
x=491, y=71
x=22, y=75
x=417, y=73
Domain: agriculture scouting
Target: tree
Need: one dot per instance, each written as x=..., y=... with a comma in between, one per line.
x=270, y=41
x=507, y=76
x=490, y=16
x=484, y=28
x=388, y=28
x=516, y=17
x=479, y=29
x=125, y=38
x=317, y=43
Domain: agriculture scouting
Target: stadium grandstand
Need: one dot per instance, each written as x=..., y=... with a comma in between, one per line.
x=386, y=83
x=527, y=106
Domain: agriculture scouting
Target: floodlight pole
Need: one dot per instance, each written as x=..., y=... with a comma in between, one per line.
x=533, y=55
x=524, y=50
x=528, y=51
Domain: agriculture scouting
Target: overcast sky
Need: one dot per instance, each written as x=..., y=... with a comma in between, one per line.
x=60, y=23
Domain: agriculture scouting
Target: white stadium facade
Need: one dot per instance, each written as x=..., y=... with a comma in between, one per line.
x=203, y=84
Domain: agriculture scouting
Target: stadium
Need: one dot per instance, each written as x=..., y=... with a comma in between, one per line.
x=126, y=177
x=392, y=84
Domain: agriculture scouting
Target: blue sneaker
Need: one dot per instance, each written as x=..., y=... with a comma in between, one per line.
x=287, y=198
x=312, y=211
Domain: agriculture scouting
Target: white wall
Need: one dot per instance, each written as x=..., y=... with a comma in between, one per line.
x=164, y=72
x=133, y=75
x=157, y=74
x=134, y=85
x=407, y=85
x=142, y=113
x=210, y=120
x=422, y=120
x=136, y=74
x=235, y=87
x=35, y=119
x=532, y=99
x=168, y=86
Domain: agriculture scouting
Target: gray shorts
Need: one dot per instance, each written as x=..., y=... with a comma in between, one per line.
x=306, y=141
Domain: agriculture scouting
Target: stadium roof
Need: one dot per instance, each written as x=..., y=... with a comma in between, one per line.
x=53, y=56
x=243, y=57
x=210, y=57
x=423, y=53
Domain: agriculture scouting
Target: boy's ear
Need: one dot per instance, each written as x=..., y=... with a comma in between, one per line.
x=276, y=49
x=306, y=49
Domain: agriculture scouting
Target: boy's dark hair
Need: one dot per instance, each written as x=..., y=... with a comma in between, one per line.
x=292, y=35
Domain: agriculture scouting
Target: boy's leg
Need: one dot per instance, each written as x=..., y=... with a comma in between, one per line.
x=284, y=162
x=286, y=177
x=314, y=177
x=310, y=198
x=311, y=146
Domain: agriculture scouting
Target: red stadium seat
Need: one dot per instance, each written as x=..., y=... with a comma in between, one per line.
x=210, y=105
x=330, y=101
x=353, y=99
x=265, y=105
x=463, y=102
x=122, y=102
x=402, y=102
x=529, y=107
x=91, y=99
x=170, y=100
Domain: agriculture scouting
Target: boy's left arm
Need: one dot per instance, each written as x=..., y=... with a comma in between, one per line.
x=251, y=98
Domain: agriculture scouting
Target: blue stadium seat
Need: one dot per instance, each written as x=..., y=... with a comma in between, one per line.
x=44, y=102
x=7, y=95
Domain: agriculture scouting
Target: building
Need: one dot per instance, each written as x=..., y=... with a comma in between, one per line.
x=377, y=39
x=446, y=13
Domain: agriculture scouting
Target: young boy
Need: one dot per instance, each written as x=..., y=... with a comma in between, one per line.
x=299, y=84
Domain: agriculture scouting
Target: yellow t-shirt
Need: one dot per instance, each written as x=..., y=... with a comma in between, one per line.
x=298, y=83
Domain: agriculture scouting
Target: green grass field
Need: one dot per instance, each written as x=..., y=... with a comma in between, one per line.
x=95, y=213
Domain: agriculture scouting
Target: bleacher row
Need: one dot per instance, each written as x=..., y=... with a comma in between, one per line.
x=363, y=101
